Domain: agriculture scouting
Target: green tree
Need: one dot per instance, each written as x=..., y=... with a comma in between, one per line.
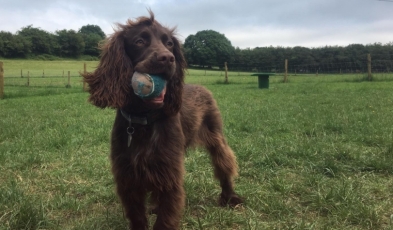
x=71, y=43
x=91, y=44
x=92, y=29
x=92, y=35
x=5, y=38
x=12, y=46
x=207, y=48
x=41, y=41
x=242, y=59
x=301, y=56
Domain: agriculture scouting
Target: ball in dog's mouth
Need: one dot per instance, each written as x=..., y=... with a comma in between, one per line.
x=150, y=88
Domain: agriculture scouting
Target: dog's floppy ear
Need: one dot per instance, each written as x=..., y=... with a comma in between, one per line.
x=173, y=97
x=109, y=83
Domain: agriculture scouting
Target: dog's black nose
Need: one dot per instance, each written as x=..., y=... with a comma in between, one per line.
x=165, y=57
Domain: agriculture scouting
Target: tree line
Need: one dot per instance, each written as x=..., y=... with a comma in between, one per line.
x=350, y=58
x=208, y=49
x=31, y=42
x=205, y=49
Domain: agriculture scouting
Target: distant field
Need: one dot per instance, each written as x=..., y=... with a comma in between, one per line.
x=50, y=77
x=12, y=68
x=314, y=153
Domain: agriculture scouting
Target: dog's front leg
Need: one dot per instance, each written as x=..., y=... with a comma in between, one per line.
x=169, y=208
x=134, y=206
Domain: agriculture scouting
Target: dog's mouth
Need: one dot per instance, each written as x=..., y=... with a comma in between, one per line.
x=156, y=101
x=151, y=88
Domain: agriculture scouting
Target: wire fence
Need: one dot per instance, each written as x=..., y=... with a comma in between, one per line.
x=74, y=80
x=378, y=66
x=63, y=75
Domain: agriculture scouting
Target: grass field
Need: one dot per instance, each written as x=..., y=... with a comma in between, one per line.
x=315, y=153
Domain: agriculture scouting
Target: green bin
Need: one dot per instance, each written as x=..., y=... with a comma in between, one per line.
x=263, y=79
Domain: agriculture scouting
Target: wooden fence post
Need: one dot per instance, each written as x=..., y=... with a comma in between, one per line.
x=84, y=82
x=1, y=80
x=369, y=67
x=286, y=71
x=43, y=73
x=226, y=72
x=69, y=80
x=28, y=78
x=21, y=73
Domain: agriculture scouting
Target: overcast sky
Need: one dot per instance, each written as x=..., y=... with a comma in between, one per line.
x=246, y=23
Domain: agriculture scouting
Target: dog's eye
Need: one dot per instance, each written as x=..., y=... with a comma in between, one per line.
x=140, y=42
x=169, y=44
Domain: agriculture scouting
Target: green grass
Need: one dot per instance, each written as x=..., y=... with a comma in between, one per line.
x=12, y=68
x=45, y=77
x=315, y=153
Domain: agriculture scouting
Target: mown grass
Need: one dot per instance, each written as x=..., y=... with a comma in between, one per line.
x=45, y=77
x=315, y=153
x=13, y=68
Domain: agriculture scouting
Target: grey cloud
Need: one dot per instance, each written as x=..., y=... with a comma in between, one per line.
x=247, y=23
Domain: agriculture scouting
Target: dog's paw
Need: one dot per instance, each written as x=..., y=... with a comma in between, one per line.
x=231, y=200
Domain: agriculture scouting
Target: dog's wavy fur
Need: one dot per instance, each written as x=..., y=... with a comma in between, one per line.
x=154, y=162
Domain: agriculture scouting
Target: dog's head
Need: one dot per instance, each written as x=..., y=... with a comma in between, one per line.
x=143, y=45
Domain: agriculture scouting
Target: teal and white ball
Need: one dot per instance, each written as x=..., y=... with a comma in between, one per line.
x=147, y=86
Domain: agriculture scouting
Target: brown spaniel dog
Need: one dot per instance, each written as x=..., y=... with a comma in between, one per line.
x=150, y=136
